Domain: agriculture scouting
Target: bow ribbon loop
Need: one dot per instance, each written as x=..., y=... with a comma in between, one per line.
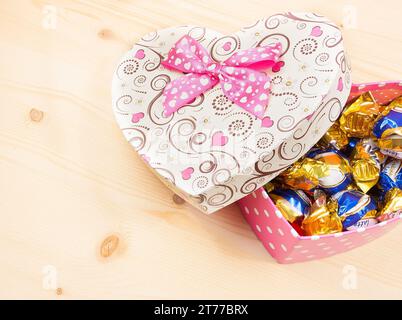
x=240, y=76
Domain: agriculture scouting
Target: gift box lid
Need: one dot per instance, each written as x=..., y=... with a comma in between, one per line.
x=213, y=151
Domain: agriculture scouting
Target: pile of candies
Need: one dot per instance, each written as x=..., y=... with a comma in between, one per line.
x=352, y=178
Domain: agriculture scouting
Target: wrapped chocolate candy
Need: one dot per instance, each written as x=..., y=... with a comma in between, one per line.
x=340, y=176
x=388, y=129
x=365, y=161
x=348, y=173
x=392, y=206
x=391, y=175
x=369, y=219
x=367, y=148
x=323, y=217
x=358, y=118
x=334, y=138
x=354, y=206
x=293, y=204
x=305, y=174
x=366, y=173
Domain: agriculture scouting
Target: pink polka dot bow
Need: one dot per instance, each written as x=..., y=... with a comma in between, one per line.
x=240, y=76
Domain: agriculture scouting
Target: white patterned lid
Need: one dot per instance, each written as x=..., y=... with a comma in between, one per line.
x=212, y=152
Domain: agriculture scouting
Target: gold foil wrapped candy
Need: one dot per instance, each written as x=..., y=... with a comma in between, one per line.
x=391, y=141
x=367, y=148
x=366, y=174
x=323, y=217
x=358, y=118
x=392, y=205
x=305, y=174
x=334, y=137
x=366, y=160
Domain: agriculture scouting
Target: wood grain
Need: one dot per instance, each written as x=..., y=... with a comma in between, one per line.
x=68, y=178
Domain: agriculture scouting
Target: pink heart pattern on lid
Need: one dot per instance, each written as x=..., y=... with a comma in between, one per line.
x=219, y=139
x=267, y=122
x=136, y=117
x=316, y=31
x=186, y=173
x=140, y=54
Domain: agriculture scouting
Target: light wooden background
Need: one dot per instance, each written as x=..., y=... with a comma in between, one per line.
x=68, y=178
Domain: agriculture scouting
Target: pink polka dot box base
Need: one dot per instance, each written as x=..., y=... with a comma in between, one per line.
x=278, y=236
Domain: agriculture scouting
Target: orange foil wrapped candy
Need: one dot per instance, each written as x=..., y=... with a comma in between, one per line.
x=305, y=174
x=358, y=118
x=323, y=217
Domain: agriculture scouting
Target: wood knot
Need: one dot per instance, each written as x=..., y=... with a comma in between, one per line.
x=36, y=115
x=105, y=34
x=109, y=245
x=177, y=199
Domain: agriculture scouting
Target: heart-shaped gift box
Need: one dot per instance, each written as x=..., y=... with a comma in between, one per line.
x=212, y=151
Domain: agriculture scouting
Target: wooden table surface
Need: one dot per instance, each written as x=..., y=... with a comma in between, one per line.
x=69, y=179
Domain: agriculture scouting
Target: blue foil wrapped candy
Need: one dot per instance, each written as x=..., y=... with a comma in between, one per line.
x=356, y=209
x=391, y=175
x=388, y=129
